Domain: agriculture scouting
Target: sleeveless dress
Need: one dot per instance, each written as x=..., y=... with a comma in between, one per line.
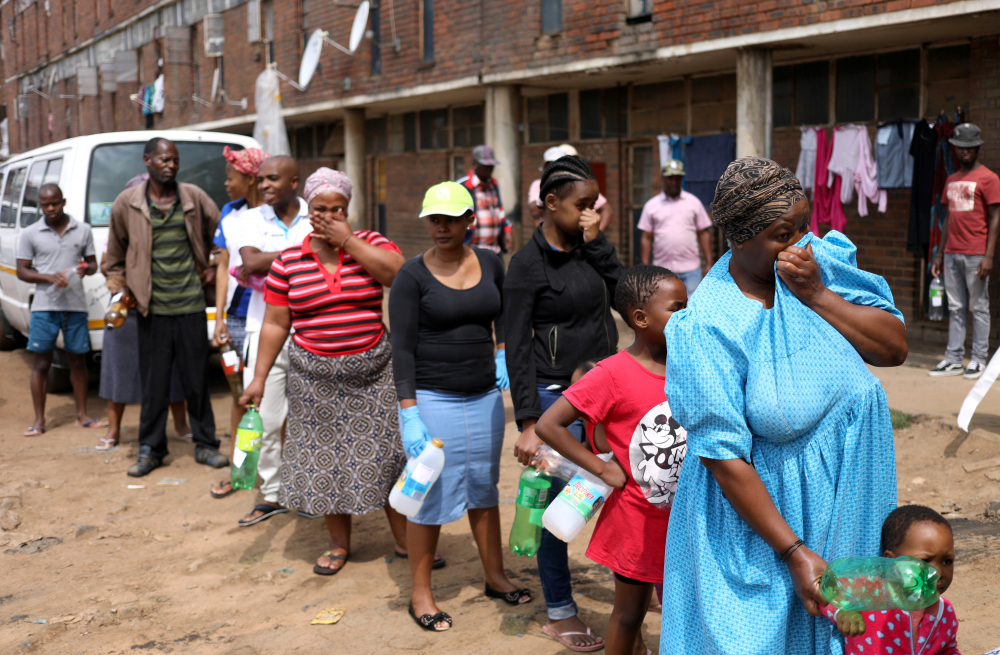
x=783, y=390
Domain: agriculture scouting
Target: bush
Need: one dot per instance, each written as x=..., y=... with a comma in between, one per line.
x=900, y=419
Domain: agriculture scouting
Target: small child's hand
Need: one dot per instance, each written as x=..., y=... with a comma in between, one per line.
x=613, y=474
x=850, y=624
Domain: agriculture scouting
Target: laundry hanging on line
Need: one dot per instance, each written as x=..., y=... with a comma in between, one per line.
x=892, y=154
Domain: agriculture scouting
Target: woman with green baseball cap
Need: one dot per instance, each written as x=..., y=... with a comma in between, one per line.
x=444, y=308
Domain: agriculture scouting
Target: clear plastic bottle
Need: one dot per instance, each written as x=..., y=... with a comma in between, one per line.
x=879, y=583
x=936, y=295
x=247, y=452
x=576, y=504
x=533, y=496
x=408, y=494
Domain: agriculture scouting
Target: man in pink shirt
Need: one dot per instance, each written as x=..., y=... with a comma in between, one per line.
x=675, y=227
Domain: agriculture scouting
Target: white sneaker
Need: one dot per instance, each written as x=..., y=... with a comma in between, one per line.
x=974, y=371
x=945, y=369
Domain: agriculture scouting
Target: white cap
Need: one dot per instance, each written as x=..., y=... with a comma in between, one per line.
x=568, y=149
x=554, y=153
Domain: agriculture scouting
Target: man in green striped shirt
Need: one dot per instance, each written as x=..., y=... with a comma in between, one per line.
x=158, y=246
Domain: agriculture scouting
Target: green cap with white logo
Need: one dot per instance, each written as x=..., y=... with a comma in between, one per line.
x=672, y=167
x=448, y=198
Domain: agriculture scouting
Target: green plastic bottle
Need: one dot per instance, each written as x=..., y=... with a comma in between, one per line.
x=248, y=435
x=532, y=498
x=879, y=583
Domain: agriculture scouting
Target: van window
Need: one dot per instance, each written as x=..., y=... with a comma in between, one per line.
x=113, y=165
x=42, y=173
x=12, y=197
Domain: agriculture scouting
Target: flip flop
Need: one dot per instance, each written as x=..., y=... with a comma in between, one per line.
x=328, y=570
x=429, y=621
x=92, y=424
x=439, y=562
x=35, y=431
x=231, y=491
x=509, y=597
x=106, y=444
x=269, y=511
x=558, y=636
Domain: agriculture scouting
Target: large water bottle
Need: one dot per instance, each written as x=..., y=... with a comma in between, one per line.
x=937, y=300
x=576, y=504
x=879, y=583
x=421, y=472
x=247, y=451
x=533, y=496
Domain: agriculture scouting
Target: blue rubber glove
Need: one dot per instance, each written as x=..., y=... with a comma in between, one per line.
x=416, y=436
x=503, y=381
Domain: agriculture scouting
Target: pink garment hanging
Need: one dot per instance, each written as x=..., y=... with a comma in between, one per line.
x=826, y=197
x=866, y=178
x=844, y=158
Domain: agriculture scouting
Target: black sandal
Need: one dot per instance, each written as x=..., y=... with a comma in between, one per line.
x=268, y=511
x=439, y=562
x=329, y=570
x=428, y=621
x=511, y=597
x=222, y=483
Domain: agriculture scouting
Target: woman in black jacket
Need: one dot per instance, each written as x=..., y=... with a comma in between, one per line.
x=557, y=303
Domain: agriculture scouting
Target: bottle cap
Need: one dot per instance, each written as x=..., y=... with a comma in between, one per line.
x=438, y=443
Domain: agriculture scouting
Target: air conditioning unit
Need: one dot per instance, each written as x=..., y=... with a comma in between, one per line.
x=254, y=32
x=126, y=66
x=86, y=81
x=109, y=82
x=214, y=37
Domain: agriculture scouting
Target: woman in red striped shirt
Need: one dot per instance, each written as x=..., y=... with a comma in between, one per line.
x=342, y=449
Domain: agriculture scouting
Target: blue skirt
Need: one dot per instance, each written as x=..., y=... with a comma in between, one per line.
x=471, y=428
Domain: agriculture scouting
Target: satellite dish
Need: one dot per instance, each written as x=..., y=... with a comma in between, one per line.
x=358, y=28
x=215, y=85
x=310, y=58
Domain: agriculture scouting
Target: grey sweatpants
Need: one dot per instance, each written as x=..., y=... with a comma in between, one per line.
x=966, y=293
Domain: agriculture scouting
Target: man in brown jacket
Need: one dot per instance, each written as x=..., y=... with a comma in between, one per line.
x=158, y=246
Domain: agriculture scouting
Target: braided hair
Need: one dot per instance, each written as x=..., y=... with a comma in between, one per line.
x=561, y=174
x=637, y=286
x=899, y=521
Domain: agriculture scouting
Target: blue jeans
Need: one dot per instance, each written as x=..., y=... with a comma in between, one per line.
x=691, y=279
x=553, y=558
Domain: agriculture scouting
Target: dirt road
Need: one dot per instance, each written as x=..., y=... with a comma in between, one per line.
x=166, y=569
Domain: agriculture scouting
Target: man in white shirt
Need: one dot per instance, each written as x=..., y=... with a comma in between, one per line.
x=282, y=221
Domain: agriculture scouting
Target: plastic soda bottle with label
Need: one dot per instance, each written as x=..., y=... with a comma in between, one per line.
x=937, y=300
x=248, y=435
x=232, y=366
x=121, y=302
x=533, y=495
x=879, y=583
x=408, y=494
x=576, y=504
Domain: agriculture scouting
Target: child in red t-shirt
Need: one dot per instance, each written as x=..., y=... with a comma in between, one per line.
x=920, y=532
x=624, y=393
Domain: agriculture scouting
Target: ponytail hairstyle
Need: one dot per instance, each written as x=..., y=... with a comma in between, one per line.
x=561, y=174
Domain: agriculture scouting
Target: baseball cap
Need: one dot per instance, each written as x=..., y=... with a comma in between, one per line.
x=448, y=198
x=568, y=149
x=966, y=136
x=484, y=155
x=672, y=167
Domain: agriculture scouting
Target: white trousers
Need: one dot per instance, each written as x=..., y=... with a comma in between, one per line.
x=273, y=411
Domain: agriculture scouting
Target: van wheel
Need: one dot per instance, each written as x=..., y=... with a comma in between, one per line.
x=10, y=339
x=59, y=381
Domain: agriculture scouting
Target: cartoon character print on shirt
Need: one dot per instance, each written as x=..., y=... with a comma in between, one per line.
x=656, y=452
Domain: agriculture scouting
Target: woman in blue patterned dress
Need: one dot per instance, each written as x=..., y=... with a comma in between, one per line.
x=766, y=371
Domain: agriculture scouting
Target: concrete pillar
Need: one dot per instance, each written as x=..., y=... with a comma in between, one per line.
x=503, y=118
x=354, y=162
x=753, y=102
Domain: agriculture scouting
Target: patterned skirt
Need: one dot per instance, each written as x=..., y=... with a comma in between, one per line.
x=343, y=451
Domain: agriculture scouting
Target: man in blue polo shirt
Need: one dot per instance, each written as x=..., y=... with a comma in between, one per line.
x=54, y=254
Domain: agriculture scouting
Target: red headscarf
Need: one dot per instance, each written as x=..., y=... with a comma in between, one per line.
x=246, y=161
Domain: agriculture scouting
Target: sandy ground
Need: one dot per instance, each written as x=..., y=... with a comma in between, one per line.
x=166, y=569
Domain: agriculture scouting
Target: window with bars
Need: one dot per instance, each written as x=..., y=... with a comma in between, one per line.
x=603, y=113
x=427, y=30
x=883, y=86
x=377, y=135
x=713, y=104
x=548, y=118
x=659, y=109
x=551, y=16
x=467, y=126
x=434, y=129
x=801, y=94
x=948, y=74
